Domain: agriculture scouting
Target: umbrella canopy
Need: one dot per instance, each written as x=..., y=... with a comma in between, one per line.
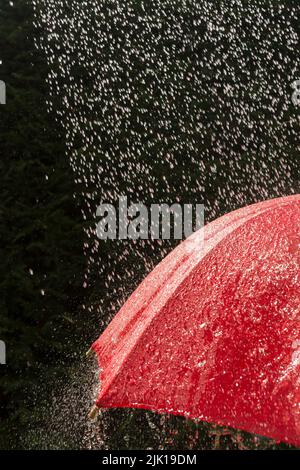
x=213, y=332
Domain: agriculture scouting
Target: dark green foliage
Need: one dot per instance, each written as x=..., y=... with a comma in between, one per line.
x=41, y=229
x=41, y=234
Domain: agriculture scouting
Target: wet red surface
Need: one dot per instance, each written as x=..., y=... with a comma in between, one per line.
x=214, y=331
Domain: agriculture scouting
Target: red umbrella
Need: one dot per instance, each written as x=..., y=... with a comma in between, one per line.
x=213, y=332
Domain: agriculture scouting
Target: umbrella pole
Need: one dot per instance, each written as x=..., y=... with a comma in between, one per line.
x=94, y=411
x=90, y=353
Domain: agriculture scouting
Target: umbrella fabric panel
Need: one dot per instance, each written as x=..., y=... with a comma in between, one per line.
x=223, y=343
x=187, y=254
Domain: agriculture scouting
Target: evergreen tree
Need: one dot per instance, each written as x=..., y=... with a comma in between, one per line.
x=40, y=226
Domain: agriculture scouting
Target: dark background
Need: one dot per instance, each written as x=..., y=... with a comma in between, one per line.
x=185, y=138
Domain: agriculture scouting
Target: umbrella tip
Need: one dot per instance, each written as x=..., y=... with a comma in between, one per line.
x=94, y=411
x=90, y=353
